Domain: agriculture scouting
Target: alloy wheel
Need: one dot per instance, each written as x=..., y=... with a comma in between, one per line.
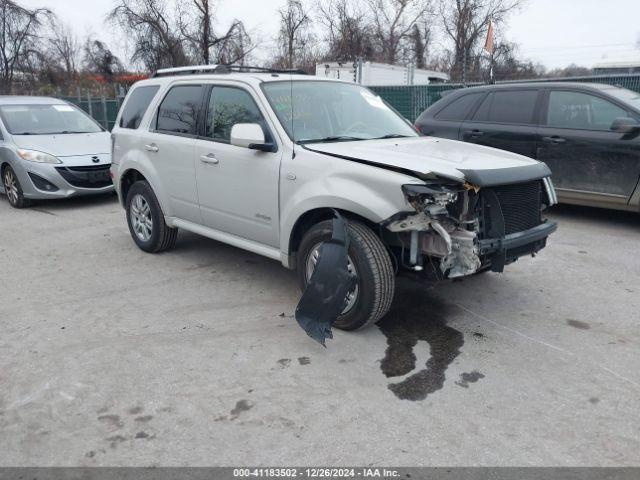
x=11, y=186
x=141, y=220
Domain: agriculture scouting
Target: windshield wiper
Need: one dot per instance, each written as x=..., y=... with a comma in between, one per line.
x=64, y=132
x=334, y=138
x=392, y=135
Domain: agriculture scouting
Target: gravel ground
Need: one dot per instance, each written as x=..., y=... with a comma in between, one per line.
x=110, y=356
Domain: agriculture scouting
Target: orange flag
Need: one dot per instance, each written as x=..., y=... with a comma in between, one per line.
x=488, y=44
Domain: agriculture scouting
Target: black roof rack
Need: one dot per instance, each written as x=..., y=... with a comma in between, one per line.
x=219, y=69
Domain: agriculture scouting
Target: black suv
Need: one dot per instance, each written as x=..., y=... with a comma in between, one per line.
x=588, y=134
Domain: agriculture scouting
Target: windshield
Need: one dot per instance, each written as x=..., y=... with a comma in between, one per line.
x=627, y=96
x=46, y=120
x=333, y=111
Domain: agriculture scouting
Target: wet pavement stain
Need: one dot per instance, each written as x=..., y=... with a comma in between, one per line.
x=578, y=324
x=111, y=420
x=469, y=377
x=241, y=406
x=284, y=362
x=304, y=360
x=418, y=316
x=144, y=418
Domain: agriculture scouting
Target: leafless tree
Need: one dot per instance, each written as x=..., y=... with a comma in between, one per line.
x=347, y=30
x=153, y=31
x=20, y=30
x=63, y=49
x=393, y=22
x=465, y=22
x=100, y=60
x=195, y=21
x=295, y=40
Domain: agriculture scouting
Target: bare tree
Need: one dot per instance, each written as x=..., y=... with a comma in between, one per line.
x=63, y=49
x=152, y=29
x=195, y=21
x=393, y=22
x=295, y=38
x=20, y=29
x=347, y=30
x=100, y=60
x=465, y=22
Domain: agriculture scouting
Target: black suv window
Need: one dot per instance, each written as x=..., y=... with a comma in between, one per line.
x=136, y=106
x=228, y=106
x=515, y=107
x=581, y=111
x=459, y=108
x=178, y=112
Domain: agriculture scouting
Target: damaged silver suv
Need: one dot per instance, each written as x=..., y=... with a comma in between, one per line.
x=274, y=162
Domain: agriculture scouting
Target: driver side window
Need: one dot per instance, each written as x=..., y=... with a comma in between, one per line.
x=227, y=107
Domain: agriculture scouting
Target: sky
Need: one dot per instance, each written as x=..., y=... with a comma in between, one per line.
x=552, y=32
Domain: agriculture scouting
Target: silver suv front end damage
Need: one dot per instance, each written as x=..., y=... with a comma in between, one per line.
x=458, y=230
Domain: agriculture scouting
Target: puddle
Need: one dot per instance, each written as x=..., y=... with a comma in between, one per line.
x=418, y=320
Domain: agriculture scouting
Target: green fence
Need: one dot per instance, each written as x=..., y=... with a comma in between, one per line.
x=103, y=110
x=412, y=100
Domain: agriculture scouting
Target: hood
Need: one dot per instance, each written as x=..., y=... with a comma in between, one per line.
x=482, y=166
x=66, y=145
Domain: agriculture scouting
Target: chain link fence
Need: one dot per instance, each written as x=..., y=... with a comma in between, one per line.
x=412, y=100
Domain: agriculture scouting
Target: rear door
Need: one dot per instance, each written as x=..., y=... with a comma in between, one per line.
x=170, y=146
x=238, y=187
x=506, y=119
x=585, y=156
x=445, y=122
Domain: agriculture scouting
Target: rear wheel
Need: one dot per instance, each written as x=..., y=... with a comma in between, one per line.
x=13, y=189
x=146, y=220
x=369, y=260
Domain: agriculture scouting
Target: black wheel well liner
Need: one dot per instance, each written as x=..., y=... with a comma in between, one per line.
x=130, y=177
x=311, y=217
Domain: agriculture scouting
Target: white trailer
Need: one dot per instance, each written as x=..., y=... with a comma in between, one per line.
x=379, y=74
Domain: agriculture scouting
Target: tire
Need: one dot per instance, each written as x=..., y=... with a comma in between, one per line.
x=13, y=189
x=142, y=204
x=376, y=278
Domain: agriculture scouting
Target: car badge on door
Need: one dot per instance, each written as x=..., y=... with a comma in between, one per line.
x=95, y=159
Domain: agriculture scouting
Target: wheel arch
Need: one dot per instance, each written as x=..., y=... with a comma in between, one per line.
x=128, y=178
x=311, y=217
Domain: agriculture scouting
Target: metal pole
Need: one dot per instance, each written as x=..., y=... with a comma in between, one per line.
x=103, y=100
x=90, y=107
x=464, y=67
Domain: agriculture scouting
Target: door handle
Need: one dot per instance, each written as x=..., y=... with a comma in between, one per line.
x=152, y=147
x=474, y=133
x=555, y=139
x=209, y=159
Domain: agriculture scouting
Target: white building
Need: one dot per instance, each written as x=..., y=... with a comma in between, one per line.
x=379, y=74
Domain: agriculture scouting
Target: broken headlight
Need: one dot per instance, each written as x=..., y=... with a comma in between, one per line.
x=422, y=197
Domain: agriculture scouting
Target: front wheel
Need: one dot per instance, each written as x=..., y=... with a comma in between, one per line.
x=369, y=261
x=146, y=220
x=13, y=189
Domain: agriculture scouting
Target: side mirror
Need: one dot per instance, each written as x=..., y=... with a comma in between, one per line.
x=625, y=125
x=249, y=135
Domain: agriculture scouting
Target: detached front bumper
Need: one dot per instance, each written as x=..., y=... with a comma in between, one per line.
x=502, y=251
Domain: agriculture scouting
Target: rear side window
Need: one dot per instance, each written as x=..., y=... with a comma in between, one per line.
x=514, y=107
x=178, y=112
x=136, y=106
x=459, y=108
